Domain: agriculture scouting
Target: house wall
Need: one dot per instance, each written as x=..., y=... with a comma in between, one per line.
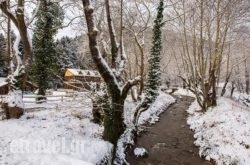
x=68, y=74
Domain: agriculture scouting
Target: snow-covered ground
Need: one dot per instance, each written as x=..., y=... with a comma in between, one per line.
x=223, y=132
x=160, y=105
x=152, y=114
x=61, y=132
x=182, y=91
x=67, y=123
x=242, y=97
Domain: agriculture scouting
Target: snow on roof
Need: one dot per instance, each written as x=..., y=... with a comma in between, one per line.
x=3, y=81
x=80, y=72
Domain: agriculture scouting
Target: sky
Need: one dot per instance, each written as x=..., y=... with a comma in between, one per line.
x=70, y=12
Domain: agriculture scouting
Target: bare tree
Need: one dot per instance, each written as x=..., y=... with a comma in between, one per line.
x=14, y=104
x=139, y=18
x=205, y=27
x=117, y=93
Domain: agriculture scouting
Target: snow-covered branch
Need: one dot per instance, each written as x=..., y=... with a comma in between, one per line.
x=112, y=34
x=101, y=64
x=127, y=86
x=7, y=12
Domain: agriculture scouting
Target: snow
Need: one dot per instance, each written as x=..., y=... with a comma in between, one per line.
x=80, y=72
x=152, y=114
x=222, y=132
x=140, y=152
x=242, y=97
x=3, y=81
x=14, y=99
x=185, y=92
x=127, y=138
x=162, y=102
x=68, y=124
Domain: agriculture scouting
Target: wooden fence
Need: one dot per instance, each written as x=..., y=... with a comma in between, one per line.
x=49, y=98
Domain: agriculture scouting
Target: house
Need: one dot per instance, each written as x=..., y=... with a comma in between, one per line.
x=79, y=79
x=4, y=86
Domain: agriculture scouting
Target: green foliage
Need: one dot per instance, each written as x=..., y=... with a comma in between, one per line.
x=44, y=66
x=154, y=76
x=68, y=53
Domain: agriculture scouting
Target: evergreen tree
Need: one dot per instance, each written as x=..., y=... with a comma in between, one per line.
x=67, y=50
x=154, y=76
x=44, y=66
x=74, y=53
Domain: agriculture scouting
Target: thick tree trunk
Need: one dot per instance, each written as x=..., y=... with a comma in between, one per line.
x=26, y=46
x=13, y=108
x=113, y=122
x=22, y=28
x=113, y=115
x=12, y=112
x=19, y=21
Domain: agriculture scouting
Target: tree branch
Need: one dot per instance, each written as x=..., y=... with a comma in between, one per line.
x=127, y=86
x=3, y=7
x=35, y=13
x=100, y=62
x=114, y=46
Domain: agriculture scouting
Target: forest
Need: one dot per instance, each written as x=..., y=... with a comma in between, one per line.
x=125, y=82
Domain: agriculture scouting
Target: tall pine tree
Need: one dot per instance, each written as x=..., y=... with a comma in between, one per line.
x=154, y=76
x=67, y=50
x=44, y=66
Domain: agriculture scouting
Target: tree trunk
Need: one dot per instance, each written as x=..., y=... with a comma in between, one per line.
x=8, y=47
x=19, y=21
x=113, y=115
x=14, y=107
x=26, y=46
x=212, y=98
x=134, y=94
x=114, y=47
x=232, y=89
x=223, y=91
x=113, y=122
x=246, y=77
x=22, y=28
x=12, y=112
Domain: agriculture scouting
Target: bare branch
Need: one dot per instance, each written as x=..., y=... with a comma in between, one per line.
x=129, y=84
